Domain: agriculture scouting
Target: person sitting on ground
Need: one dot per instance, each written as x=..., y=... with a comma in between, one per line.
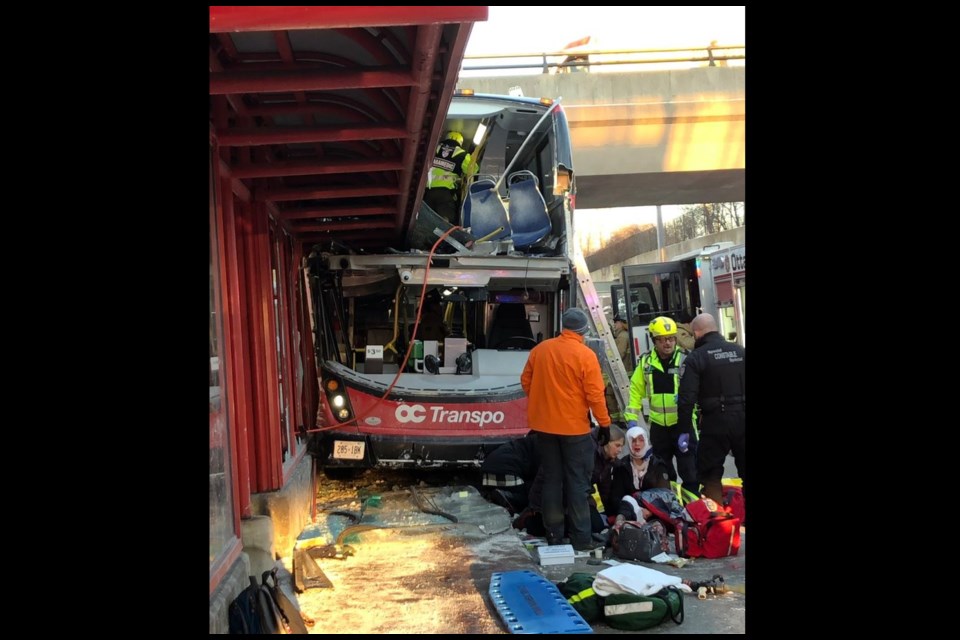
x=508, y=471
x=638, y=471
x=605, y=459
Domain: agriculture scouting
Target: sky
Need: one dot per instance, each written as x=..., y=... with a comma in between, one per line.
x=547, y=28
x=542, y=29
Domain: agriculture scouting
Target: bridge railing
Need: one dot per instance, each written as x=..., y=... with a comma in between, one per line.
x=583, y=60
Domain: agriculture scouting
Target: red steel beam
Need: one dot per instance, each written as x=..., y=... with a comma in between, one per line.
x=312, y=107
x=333, y=212
x=239, y=189
x=282, y=38
x=238, y=370
x=251, y=137
x=386, y=223
x=422, y=62
x=449, y=74
x=262, y=18
x=370, y=236
x=266, y=459
x=314, y=168
x=222, y=82
x=235, y=102
x=326, y=193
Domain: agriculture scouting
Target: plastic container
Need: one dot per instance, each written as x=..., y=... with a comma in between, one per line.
x=416, y=358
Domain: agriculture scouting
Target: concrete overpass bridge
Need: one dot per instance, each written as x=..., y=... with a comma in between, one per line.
x=644, y=138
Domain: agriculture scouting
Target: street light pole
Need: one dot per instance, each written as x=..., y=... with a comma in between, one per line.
x=660, y=236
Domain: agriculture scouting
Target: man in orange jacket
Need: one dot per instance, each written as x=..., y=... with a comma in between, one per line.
x=562, y=381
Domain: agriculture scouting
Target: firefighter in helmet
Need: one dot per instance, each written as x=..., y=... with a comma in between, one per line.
x=451, y=164
x=657, y=378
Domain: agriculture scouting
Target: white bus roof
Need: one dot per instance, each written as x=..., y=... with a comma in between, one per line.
x=704, y=251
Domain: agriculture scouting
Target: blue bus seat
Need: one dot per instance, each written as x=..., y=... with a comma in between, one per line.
x=528, y=211
x=483, y=211
x=488, y=181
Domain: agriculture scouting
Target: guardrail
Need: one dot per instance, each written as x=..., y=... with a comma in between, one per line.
x=572, y=61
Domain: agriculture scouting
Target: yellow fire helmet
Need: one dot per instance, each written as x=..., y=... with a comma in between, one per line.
x=455, y=135
x=663, y=326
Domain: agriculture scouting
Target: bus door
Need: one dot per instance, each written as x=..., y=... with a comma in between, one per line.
x=647, y=291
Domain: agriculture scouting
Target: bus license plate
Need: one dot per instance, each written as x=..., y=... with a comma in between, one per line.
x=348, y=449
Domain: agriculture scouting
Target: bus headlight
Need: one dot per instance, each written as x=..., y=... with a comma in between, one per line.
x=336, y=398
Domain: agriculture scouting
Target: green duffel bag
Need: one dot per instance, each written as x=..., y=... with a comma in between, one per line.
x=578, y=590
x=634, y=613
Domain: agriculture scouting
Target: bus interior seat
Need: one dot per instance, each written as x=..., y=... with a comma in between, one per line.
x=483, y=211
x=529, y=219
x=509, y=322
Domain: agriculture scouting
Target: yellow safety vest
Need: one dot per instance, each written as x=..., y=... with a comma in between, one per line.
x=446, y=170
x=663, y=406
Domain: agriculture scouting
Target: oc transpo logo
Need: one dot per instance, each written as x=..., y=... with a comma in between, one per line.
x=416, y=413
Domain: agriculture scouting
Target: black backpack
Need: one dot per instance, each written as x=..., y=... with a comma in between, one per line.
x=264, y=609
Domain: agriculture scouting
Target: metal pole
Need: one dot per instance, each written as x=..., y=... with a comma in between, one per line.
x=660, y=236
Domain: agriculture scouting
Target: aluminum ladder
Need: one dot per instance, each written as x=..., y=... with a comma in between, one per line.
x=605, y=345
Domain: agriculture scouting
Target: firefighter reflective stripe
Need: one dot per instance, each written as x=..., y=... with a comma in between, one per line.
x=685, y=497
x=440, y=179
x=635, y=405
x=629, y=607
x=583, y=595
x=501, y=480
x=448, y=165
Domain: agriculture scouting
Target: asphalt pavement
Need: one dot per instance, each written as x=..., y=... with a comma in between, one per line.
x=482, y=536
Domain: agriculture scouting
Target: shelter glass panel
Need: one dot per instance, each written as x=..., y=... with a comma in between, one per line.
x=222, y=523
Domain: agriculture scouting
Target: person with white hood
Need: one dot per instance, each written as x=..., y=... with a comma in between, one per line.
x=638, y=471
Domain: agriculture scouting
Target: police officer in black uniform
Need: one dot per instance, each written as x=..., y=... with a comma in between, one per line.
x=712, y=377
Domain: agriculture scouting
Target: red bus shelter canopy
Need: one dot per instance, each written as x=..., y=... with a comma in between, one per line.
x=330, y=114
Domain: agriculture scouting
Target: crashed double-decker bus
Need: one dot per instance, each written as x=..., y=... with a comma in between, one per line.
x=420, y=348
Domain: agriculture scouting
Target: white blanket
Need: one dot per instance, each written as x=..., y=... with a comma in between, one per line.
x=634, y=579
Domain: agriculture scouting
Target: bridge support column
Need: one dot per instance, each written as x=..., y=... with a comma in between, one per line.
x=661, y=240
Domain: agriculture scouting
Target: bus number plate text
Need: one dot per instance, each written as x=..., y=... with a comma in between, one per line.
x=348, y=449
